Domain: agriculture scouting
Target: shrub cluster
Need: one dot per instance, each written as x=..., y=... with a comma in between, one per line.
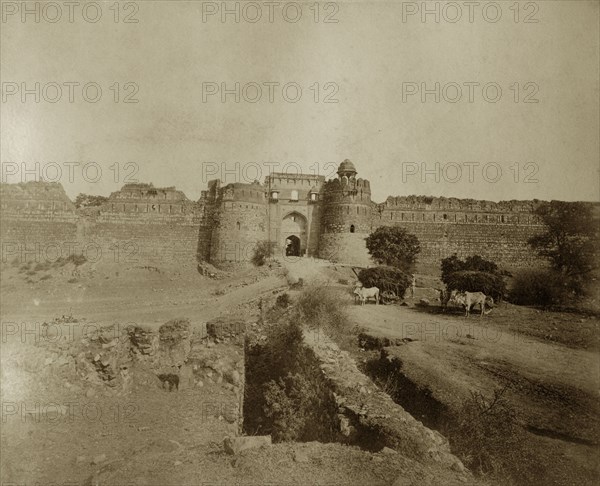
x=262, y=251
x=487, y=438
x=385, y=278
x=472, y=281
x=474, y=274
x=322, y=307
x=540, y=287
x=285, y=394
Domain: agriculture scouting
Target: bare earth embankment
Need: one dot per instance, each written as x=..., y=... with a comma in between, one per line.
x=87, y=407
x=87, y=356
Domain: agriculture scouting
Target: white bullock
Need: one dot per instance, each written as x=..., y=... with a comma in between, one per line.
x=364, y=294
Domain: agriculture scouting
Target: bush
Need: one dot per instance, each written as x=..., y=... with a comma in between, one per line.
x=386, y=278
x=46, y=277
x=283, y=300
x=262, y=251
x=486, y=437
x=539, y=287
x=322, y=307
x=288, y=403
x=472, y=281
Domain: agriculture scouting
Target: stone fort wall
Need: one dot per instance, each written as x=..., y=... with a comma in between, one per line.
x=138, y=225
x=497, y=231
x=143, y=224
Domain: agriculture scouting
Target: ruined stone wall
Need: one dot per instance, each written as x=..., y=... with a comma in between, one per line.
x=136, y=239
x=39, y=222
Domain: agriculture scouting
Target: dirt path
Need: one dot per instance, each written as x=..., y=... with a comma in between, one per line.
x=553, y=388
x=534, y=359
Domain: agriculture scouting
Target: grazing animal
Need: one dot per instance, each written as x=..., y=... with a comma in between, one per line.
x=364, y=294
x=169, y=379
x=444, y=298
x=470, y=299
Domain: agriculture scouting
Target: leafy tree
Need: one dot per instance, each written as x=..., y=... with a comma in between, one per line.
x=450, y=265
x=569, y=240
x=473, y=263
x=393, y=246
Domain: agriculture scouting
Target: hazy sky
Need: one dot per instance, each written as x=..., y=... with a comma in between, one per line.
x=366, y=61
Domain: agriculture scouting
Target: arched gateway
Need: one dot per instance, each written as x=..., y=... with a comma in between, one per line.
x=293, y=231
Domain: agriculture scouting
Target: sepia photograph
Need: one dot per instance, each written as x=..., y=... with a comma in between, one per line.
x=300, y=243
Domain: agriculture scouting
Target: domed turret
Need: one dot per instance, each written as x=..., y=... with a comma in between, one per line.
x=346, y=169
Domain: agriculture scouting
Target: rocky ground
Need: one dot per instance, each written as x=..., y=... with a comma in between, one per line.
x=129, y=375
x=90, y=354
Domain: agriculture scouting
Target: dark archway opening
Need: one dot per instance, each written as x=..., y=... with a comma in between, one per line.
x=292, y=246
x=352, y=228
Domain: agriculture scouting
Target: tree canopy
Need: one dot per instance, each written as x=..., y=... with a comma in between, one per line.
x=569, y=239
x=393, y=246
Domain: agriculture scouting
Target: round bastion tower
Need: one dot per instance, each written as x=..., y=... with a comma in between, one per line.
x=346, y=217
x=240, y=221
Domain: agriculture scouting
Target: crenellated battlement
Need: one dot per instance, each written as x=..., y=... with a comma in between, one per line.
x=455, y=204
x=254, y=193
x=306, y=213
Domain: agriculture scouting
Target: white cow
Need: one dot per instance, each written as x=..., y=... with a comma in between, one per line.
x=471, y=299
x=364, y=294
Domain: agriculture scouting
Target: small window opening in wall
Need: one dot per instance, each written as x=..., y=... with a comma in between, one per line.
x=445, y=217
x=351, y=228
x=238, y=225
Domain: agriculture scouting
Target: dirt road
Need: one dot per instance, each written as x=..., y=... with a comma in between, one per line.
x=554, y=388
